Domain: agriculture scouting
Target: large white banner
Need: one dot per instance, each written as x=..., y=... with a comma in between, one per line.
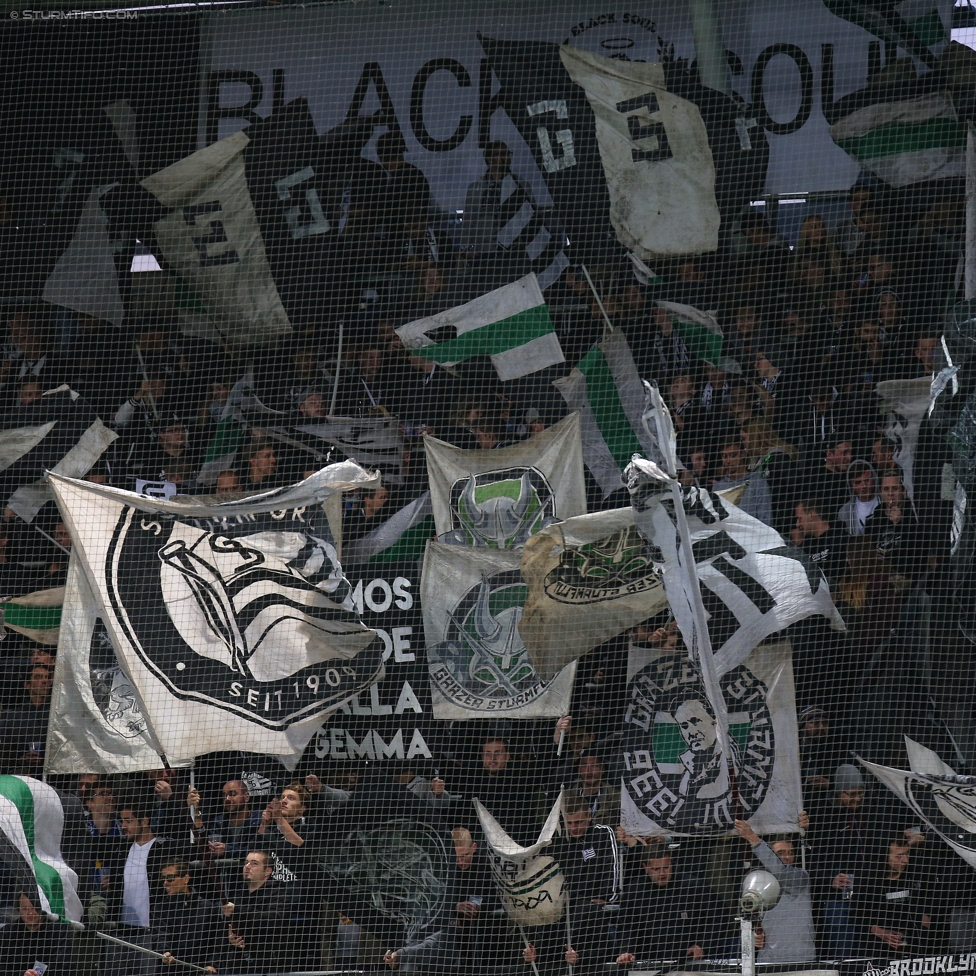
x=423, y=61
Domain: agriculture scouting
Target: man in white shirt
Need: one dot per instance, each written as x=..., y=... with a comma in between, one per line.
x=134, y=917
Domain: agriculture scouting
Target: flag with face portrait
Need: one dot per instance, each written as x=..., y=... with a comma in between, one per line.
x=232, y=620
x=675, y=778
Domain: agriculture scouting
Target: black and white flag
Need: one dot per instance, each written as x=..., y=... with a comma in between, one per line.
x=753, y=582
x=232, y=620
x=937, y=796
x=97, y=720
x=252, y=221
x=60, y=433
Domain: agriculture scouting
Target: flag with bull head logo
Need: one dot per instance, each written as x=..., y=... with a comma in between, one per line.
x=232, y=619
x=497, y=499
x=530, y=884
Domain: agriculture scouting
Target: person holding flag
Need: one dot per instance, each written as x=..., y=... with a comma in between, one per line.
x=32, y=937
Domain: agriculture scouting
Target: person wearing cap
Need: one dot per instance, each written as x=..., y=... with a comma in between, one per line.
x=820, y=751
x=846, y=829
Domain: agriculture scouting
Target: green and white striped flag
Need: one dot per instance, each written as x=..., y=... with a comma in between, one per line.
x=609, y=395
x=904, y=142
x=511, y=324
x=404, y=535
x=700, y=330
x=31, y=822
x=36, y=615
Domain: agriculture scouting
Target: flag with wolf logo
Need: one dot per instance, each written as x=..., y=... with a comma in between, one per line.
x=497, y=499
x=530, y=884
x=675, y=779
x=232, y=619
x=936, y=795
x=478, y=665
x=590, y=578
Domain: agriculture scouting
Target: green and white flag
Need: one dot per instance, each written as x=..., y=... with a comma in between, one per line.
x=36, y=615
x=479, y=668
x=700, y=330
x=590, y=578
x=903, y=142
x=609, y=395
x=402, y=536
x=497, y=499
x=659, y=169
x=675, y=779
x=511, y=324
x=31, y=824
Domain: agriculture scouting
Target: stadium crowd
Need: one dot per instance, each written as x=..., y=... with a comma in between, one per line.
x=789, y=412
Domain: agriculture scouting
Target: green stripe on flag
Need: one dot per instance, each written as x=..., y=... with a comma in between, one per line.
x=607, y=409
x=701, y=342
x=491, y=339
x=48, y=879
x=929, y=29
x=890, y=140
x=669, y=744
x=410, y=545
x=228, y=438
x=31, y=618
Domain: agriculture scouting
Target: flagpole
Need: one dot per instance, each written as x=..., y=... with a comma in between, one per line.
x=149, y=952
x=569, y=935
x=338, y=367
x=525, y=939
x=145, y=376
x=702, y=651
x=596, y=295
x=970, y=257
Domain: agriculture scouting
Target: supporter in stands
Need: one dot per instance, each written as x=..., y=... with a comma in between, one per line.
x=894, y=530
x=262, y=468
x=258, y=915
x=666, y=914
x=891, y=913
x=32, y=937
x=821, y=749
x=756, y=500
x=23, y=728
x=475, y=939
x=774, y=460
x=864, y=499
x=788, y=927
x=185, y=927
x=590, y=862
x=231, y=831
x=824, y=543
x=592, y=785
x=293, y=842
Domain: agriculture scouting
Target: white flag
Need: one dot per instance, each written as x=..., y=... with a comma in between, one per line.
x=213, y=239
x=232, y=619
x=497, y=499
x=676, y=779
x=97, y=721
x=530, y=884
x=654, y=147
x=479, y=667
x=937, y=795
x=753, y=582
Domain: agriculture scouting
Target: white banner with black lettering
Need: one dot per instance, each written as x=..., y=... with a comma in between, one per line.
x=421, y=68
